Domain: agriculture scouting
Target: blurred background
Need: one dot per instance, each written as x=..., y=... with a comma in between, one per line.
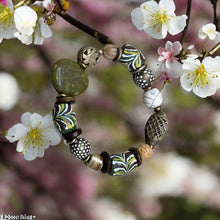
x=181, y=179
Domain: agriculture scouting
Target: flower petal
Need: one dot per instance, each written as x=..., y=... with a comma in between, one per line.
x=16, y=132
x=52, y=135
x=137, y=18
x=168, y=6
x=177, y=24
x=36, y=120
x=186, y=82
x=26, y=118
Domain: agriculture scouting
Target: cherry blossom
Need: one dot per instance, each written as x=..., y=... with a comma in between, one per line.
x=208, y=30
x=203, y=78
x=168, y=62
x=34, y=134
x=158, y=19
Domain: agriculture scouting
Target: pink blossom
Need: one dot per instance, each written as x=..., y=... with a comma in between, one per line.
x=169, y=64
x=4, y=2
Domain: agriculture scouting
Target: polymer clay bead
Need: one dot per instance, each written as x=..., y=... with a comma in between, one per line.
x=144, y=79
x=64, y=118
x=94, y=162
x=131, y=57
x=122, y=163
x=145, y=151
x=69, y=78
x=80, y=148
x=110, y=51
x=152, y=98
x=155, y=128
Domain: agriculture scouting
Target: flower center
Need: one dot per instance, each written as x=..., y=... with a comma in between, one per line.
x=200, y=77
x=157, y=19
x=34, y=138
x=168, y=55
x=5, y=15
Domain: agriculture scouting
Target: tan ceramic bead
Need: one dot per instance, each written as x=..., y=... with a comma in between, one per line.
x=110, y=51
x=95, y=162
x=145, y=151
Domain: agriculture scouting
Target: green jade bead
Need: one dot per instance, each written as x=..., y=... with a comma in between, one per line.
x=69, y=78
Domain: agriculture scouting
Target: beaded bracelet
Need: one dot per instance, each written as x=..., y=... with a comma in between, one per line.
x=70, y=80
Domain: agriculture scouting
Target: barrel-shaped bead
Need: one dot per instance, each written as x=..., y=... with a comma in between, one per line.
x=95, y=162
x=155, y=128
x=122, y=163
x=80, y=148
x=144, y=79
x=131, y=57
x=64, y=118
x=152, y=98
x=110, y=51
x=145, y=151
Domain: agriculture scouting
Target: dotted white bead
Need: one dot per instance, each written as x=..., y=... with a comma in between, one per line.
x=152, y=98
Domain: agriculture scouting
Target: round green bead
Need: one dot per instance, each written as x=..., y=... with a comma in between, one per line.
x=69, y=78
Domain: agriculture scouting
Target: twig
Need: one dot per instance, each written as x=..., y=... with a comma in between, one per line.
x=215, y=18
x=188, y=11
x=85, y=28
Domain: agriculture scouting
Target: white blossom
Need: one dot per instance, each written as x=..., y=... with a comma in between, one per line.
x=158, y=19
x=25, y=19
x=164, y=174
x=41, y=32
x=208, y=30
x=9, y=91
x=34, y=134
x=7, y=27
x=202, y=78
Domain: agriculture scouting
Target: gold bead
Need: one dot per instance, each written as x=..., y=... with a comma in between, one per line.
x=94, y=162
x=145, y=151
x=110, y=51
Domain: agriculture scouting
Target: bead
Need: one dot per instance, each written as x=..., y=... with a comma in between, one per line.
x=64, y=99
x=110, y=51
x=80, y=148
x=131, y=57
x=152, y=98
x=88, y=56
x=95, y=162
x=136, y=154
x=64, y=118
x=155, y=128
x=106, y=162
x=70, y=137
x=145, y=151
x=122, y=163
x=144, y=79
x=69, y=78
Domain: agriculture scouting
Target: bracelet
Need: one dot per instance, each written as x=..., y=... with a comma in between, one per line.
x=70, y=79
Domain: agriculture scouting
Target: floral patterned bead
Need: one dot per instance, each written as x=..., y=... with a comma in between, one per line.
x=131, y=57
x=64, y=118
x=122, y=163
